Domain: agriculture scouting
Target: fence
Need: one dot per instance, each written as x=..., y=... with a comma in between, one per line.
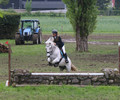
x=109, y=12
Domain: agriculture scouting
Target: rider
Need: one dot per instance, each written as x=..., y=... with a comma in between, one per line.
x=59, y=43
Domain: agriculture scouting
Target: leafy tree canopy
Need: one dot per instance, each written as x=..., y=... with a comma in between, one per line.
x=82, y=15
x=103, y=4
x=4, y=2
x=117, y=4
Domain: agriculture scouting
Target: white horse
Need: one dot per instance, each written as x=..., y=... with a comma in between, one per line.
x=55, y=57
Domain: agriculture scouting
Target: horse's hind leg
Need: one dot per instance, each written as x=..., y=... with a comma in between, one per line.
x=62, y=68
x=68, y=67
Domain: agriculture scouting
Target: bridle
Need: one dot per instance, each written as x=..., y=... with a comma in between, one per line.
x=50, y=52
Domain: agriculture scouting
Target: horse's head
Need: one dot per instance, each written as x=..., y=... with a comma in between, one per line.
x=50, y=42
x=49, y=46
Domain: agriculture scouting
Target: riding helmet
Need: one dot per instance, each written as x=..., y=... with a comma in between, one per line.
x=54, y=31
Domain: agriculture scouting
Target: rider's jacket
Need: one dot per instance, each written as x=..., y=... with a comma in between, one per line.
x=58, y=41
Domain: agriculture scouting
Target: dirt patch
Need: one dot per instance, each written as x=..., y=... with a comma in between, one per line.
x=68, y=38
x=106, y=58
x=95, y=37
x=104, y=37
x=45, y=37
x=113, y=58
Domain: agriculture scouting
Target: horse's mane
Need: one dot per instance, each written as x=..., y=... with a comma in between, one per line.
x=50, y=41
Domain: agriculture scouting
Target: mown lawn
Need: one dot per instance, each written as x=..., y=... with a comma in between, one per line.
x=59, y=93
x=105, y=24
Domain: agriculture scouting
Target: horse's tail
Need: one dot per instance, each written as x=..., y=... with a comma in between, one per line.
x=73, y=68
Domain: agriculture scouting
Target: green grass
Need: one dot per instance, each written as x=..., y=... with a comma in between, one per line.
x=33, y=58
x=50, y=23
x=105, y=24
x=108, y=24
x=59, y=93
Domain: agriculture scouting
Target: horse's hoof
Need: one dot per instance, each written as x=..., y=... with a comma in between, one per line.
x=55, y=65
x=50, y=64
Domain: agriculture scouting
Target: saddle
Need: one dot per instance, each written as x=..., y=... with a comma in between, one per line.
x=62, y=54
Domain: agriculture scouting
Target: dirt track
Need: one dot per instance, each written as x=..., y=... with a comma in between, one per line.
x=96, y=39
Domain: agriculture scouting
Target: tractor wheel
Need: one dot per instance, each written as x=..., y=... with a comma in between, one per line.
x=35, y=38
x=40, y=37
x=17, y=39
x=22, y=42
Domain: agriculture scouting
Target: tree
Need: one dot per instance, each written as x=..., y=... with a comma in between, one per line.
x=82, y=15
x=28, y=6
x=117, y=4
x=1, y=15
x=103, y=4
x=3, y=2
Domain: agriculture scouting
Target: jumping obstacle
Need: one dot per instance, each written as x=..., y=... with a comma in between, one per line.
x=107, y=77
x=3, y=48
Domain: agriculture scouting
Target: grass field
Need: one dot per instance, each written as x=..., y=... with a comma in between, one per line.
x=59, y=93
x=105, y=24
x=33, y=58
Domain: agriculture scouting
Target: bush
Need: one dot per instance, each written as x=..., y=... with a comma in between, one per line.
x=9, y=25
x=38, y=14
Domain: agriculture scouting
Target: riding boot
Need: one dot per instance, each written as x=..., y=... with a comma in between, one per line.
x=66, y=60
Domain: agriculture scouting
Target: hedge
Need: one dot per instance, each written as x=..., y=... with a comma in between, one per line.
x=9, y=25
x=50, y=14
x=109, y=12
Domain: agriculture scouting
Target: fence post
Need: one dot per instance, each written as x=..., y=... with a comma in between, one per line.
x=9, y=63
x=119, y=55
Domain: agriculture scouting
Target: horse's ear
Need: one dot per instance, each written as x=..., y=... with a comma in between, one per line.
x=51, y=39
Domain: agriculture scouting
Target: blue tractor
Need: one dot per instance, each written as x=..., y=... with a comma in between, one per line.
x=29, y=31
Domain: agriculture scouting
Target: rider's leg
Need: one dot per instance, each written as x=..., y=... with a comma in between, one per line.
x=65, y=55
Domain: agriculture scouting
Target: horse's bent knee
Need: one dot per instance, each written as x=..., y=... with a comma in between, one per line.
x=48, y=59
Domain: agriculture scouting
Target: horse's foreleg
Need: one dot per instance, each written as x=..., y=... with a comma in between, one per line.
x=49, y=60
x=55, y=60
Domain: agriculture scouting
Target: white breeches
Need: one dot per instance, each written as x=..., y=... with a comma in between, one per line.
x=63, y=48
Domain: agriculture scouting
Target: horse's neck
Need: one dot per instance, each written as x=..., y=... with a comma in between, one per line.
x=57, y=50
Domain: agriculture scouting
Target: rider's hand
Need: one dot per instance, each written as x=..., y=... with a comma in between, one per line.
x=54, y=43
